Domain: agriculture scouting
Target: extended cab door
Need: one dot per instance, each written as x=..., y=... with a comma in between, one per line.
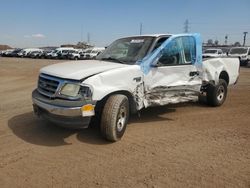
x=173, y=77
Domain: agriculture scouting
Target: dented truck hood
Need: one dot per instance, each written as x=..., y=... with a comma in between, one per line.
x=80, y=69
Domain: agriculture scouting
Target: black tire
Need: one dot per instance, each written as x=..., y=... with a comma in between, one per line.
x=202, y=99
x=216, y=95
x=243, y=63
x=115, y=117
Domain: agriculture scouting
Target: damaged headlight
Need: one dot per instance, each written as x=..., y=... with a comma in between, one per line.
x=76, y=91
x=70, y=90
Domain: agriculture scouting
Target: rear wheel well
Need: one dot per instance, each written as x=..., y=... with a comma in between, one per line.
x=224, y=76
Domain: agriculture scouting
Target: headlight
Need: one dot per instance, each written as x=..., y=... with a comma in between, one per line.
x=71, y=90
x=76, y=91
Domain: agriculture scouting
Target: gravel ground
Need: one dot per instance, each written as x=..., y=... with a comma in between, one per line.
x=184, y=145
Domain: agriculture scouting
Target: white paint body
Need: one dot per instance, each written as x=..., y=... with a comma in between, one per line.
x=162, y=85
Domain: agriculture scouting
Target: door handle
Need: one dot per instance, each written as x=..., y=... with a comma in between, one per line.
x=194, y=73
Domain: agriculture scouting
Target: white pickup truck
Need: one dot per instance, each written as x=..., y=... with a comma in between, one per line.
x=132, y=73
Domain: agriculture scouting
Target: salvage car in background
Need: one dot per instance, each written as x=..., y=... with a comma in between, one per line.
x=25, y=52
x=243, y=53
x=36, y=54
x=132, y=73
x=92, y=53
x=212, y=53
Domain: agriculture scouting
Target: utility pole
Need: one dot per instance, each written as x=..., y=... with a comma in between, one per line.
x=140, y=28
x=88, y=38
x=81, y=33
x=244, y=40
x=186, y=26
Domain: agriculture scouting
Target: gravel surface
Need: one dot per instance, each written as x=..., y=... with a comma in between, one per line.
x=184, y=145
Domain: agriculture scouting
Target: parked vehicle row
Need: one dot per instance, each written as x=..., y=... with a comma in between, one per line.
x=58, y=53
x=243, y=53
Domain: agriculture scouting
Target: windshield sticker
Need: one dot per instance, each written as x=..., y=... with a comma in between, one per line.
x=137, y=41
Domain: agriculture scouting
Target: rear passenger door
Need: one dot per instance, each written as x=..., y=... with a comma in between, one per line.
x=174, y=77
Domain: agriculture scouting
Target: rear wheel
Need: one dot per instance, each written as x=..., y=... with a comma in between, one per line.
x=216, y=95
x=115, y=117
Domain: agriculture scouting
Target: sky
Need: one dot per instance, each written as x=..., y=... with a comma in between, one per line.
x=37, y=23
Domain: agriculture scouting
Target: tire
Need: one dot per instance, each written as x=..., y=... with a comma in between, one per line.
x=216, y=95
x=115, y=117
x=243, y=63
x=202, y=99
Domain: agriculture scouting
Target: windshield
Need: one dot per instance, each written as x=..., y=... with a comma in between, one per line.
x=127, y=50
x=210, y=52
x=238, y=51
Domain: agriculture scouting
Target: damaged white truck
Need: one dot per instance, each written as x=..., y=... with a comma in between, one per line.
x=132, y=73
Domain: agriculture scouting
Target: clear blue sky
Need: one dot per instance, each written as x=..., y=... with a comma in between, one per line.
x=27, y=23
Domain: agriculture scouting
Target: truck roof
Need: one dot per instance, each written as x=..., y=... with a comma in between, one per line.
x=150, y=35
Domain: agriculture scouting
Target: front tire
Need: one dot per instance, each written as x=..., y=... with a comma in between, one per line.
x=216, y=95
x=115, y=117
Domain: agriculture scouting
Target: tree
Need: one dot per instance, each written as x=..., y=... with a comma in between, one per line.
x=210, y=42
x=216, y=42
x=237, y=44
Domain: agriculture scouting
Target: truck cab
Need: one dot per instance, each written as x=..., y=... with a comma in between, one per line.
x=131, y=74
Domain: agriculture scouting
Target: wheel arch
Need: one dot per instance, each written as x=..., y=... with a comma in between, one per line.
x=129, y=95
x=224, y=76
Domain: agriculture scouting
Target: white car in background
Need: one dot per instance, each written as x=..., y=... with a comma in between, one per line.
x=93, y=52
x=243, y=53
x=59, y=51
x=75, y=55
x=25, y=52
x=6, y=52
x=212, y=53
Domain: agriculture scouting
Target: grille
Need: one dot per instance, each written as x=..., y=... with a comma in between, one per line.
x=47, y=85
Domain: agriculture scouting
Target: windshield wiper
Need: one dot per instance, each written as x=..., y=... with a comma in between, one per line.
x=113, y=59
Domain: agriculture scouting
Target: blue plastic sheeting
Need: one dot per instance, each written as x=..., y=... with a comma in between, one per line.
x=172, y=46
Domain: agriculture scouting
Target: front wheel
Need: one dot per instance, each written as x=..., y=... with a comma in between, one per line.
x=216, y=95
x=115, y=117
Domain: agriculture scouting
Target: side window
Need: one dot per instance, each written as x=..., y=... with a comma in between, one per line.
x=179, y=51
x=248, y=51
x=171, y=54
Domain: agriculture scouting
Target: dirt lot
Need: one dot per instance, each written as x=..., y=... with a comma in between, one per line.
x=188, y=145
